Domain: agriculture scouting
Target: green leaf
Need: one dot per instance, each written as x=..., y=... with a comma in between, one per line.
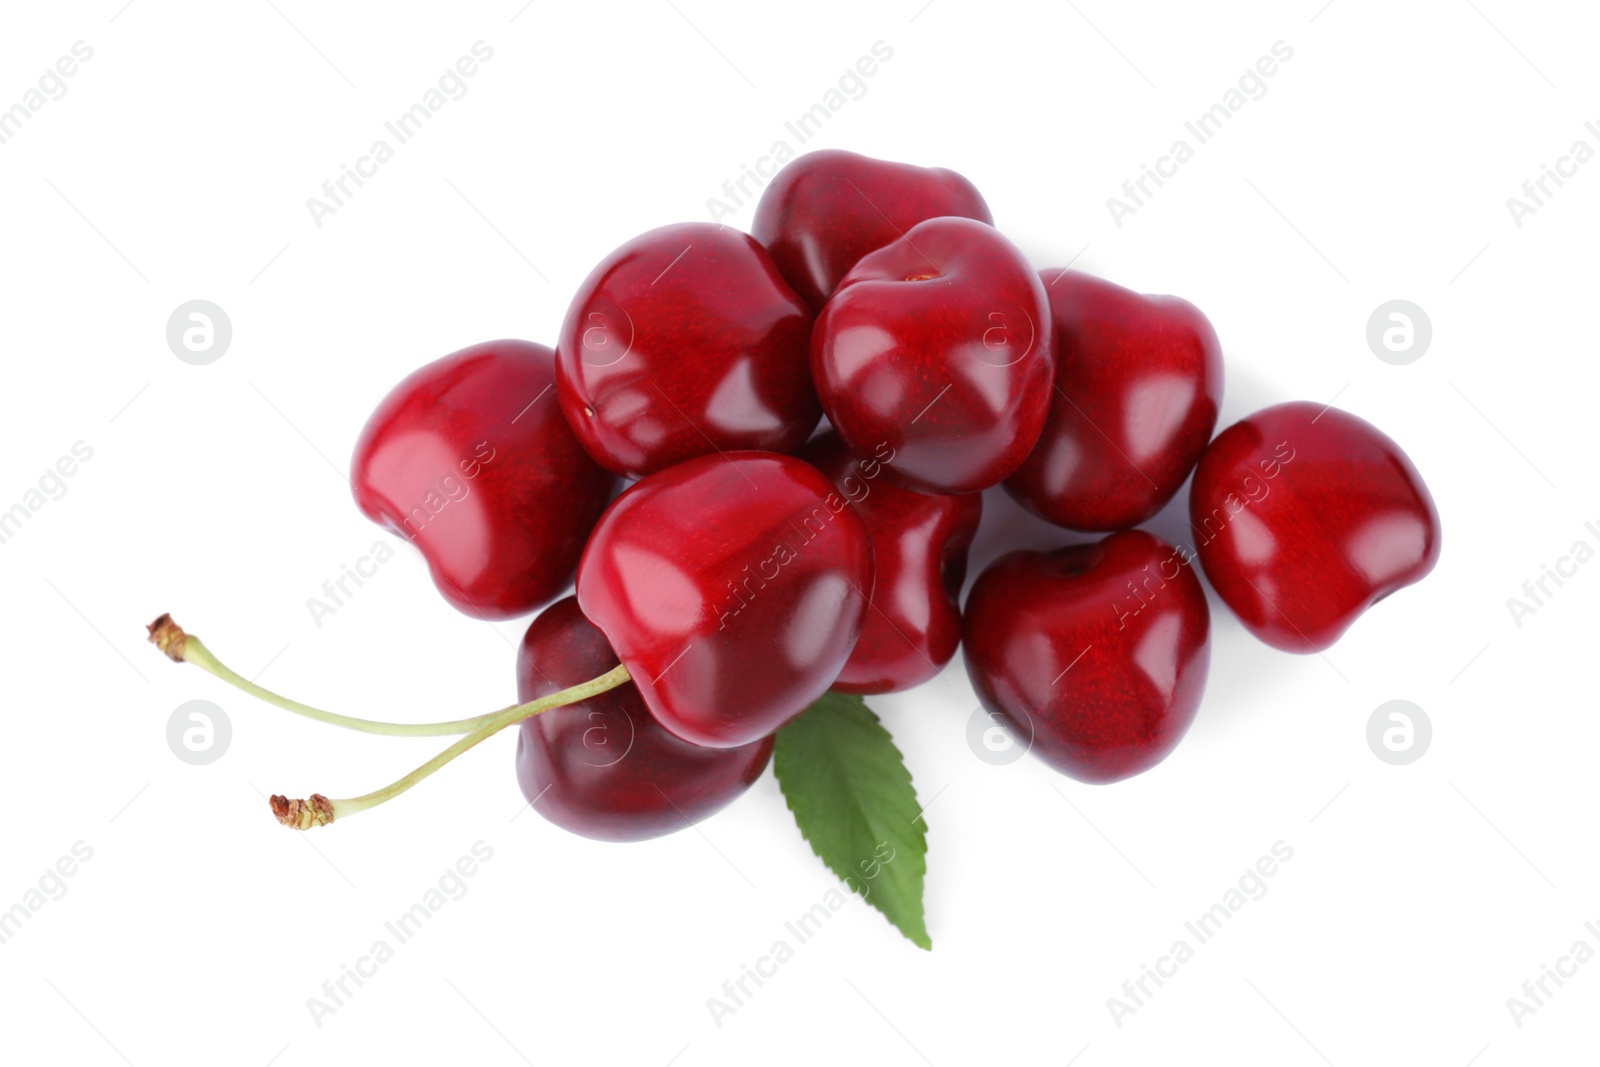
x=851, y=795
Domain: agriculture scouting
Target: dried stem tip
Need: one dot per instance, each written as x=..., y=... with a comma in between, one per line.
x=303, y=814
x=169, y=637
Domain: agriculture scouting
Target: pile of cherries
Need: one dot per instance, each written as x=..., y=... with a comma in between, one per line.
x=751, y=566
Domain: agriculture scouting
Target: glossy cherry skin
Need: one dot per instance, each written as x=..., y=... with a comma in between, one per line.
x=685, y=341
x=1096, y=655
x=733, y=588
x=919, y=555
x=1137, y=389
x=1304, y=517
x=938, y=347
x=470, y=459
x=603, y=767
x=827, y=209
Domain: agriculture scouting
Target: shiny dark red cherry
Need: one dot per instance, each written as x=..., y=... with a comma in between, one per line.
x=733, y=588
x=1305, y=516
x=1095, y=654
x=827, y=209
x=937, y=347
x=919, y=552
x=1137, y=388
x=603, y=767
x=685, y=341
x=469, y=458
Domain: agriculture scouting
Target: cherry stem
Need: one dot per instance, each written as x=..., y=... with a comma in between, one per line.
x=318, y=810
x=184, y=647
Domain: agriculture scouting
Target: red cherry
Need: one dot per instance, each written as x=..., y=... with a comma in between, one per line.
x=937, y=347
x=1138, y=384
x=603, y=767
x=919, y=554
x=470, y=459
x=1305, y=517
x=827, y=209
x=683, y=342
x=733, y=588
x=1096, y=653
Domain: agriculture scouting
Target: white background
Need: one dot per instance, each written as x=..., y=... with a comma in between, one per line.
x=1377, y=166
